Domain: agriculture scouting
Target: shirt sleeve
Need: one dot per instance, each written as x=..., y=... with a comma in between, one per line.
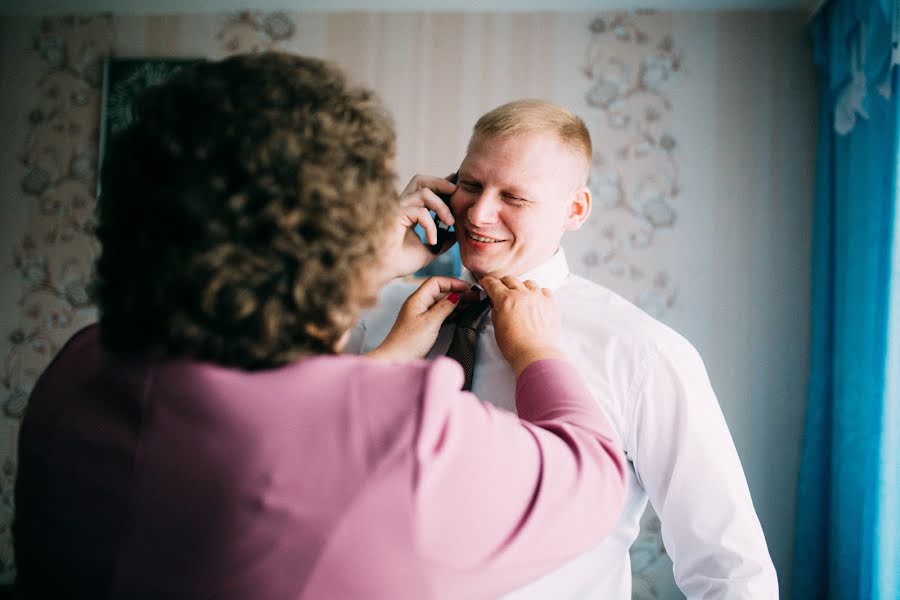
x=685, y=458
x=355, y=339
x=375, y=323
x=501, y=500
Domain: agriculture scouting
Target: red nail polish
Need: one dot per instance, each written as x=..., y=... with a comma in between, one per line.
x=454, y=298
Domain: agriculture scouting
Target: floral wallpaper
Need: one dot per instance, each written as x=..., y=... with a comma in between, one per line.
x=54, y=258
x=628, y=62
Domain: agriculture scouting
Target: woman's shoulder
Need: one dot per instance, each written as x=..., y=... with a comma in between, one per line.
x=421, y=376
x=416, y=389
x=429, y=376
x=394, y=403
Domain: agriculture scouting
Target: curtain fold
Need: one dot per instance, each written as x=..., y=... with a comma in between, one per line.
x=847, y=533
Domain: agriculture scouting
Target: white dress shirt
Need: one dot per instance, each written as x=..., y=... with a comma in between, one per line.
x=654, y=389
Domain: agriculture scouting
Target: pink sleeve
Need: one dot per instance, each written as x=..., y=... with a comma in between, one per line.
x=499, y=501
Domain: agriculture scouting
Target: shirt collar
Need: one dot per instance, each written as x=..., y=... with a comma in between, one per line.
x=549, y=274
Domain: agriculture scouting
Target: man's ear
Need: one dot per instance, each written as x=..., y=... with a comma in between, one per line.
x=579, y=208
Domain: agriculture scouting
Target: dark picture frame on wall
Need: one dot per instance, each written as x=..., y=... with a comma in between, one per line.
x=123, y=79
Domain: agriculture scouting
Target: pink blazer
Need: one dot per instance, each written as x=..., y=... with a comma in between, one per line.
x=334, y=477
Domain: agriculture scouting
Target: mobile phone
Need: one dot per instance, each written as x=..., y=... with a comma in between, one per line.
x=444, y=231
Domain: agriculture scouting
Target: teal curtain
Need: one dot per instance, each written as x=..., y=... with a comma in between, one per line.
x=848, y=518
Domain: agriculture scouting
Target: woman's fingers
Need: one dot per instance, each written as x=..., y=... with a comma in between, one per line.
x=421, y=316
x=527, y=323
x=534, y=287
x=441, y=309
x=493, y=287
x=435, y=288
x=513, y=283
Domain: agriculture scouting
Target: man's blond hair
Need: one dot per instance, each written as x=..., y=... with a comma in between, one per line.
x=534, y=116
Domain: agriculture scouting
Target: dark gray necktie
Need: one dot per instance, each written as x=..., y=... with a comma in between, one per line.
x=464, y=346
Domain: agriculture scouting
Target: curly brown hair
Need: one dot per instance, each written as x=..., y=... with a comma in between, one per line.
x=240, y=211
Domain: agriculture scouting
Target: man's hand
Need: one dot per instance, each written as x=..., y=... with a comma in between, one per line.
x=420, y=319
x=527, y=324
x=405, y=253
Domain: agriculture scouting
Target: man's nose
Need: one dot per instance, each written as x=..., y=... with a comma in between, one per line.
x=484, y=210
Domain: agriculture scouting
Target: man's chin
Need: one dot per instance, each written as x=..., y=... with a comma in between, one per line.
x=480, y=264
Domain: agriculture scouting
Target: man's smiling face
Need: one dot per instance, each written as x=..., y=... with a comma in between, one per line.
x=517, y=195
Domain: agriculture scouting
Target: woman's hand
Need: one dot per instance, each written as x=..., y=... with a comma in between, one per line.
x=405, y=253
x=527, y=324
x=420, y=319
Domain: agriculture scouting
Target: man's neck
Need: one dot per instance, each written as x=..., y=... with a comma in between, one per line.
x=550, y=272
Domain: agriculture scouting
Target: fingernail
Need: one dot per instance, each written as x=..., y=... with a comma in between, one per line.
x=454, y=298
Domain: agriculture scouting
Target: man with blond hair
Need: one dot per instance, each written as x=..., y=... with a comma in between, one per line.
x=521, y=186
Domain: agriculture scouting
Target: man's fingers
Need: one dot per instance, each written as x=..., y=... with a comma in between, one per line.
x=433, y=202
x=430, y=200
x=532, y=285
x=546, y=292
x=441, y=185
x=437, y=184
x=420, y=215
x=412, y=186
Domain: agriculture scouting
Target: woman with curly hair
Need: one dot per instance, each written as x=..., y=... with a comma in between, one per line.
x=207, y=438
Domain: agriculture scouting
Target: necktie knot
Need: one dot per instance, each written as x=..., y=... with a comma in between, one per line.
x=464, y=346
x=473, y=315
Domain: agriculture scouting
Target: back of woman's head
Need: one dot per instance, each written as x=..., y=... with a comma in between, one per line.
x=240, y=209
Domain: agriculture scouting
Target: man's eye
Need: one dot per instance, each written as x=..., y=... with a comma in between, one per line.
x=469, y=187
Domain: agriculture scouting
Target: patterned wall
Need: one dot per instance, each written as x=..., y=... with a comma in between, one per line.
x=620, y=71
x=629, y=63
